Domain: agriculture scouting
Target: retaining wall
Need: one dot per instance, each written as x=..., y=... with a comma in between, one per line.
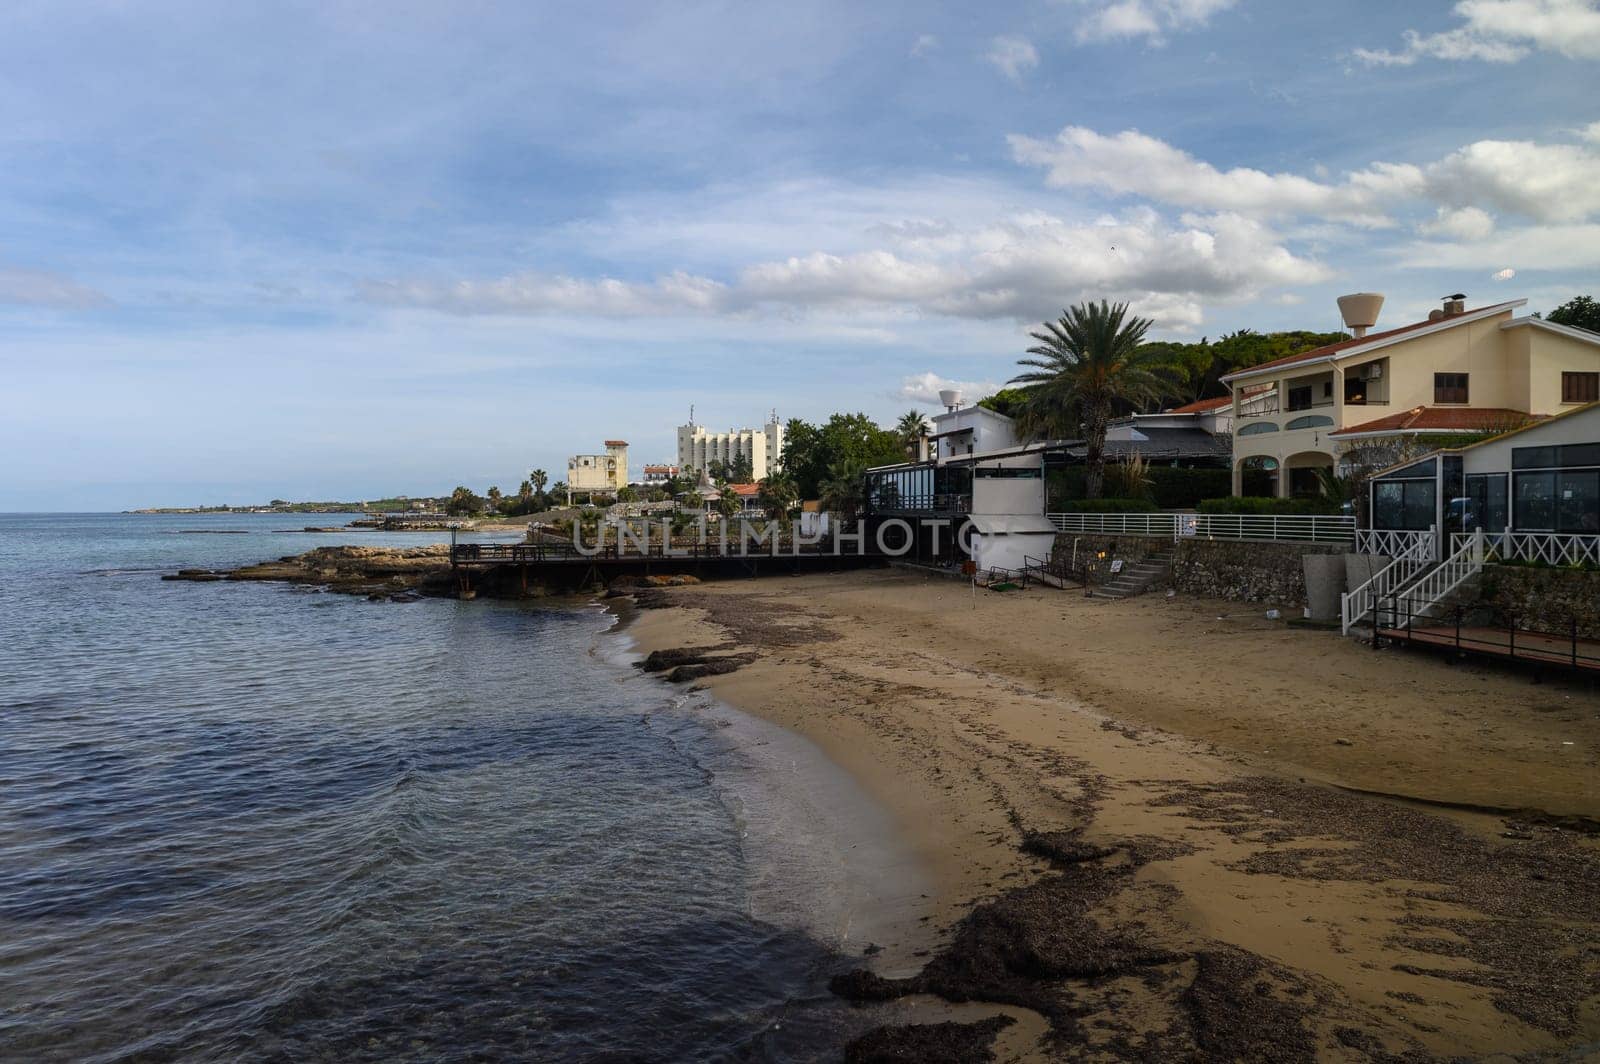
x=1238, y=570
x=1543, y=600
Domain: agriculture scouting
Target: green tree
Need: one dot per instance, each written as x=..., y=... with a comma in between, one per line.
x=1007, y=401
x=1581, y=312
x=493, y=495
x=778, y=496
x=463, y=503
x=728, y=504
x=539, y=478
x=843, y=490
x=1085, y=363
x=911, y=428
x=811, y=452
x=627, y=493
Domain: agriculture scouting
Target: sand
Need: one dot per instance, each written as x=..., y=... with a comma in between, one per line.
x=1143, y=826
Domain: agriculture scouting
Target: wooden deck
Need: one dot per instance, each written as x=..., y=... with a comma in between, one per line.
x=1569, y=651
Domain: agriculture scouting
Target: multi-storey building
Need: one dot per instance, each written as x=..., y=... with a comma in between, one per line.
x=763, y=447
x=599, y=472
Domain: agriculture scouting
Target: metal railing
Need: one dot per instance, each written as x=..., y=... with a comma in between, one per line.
x=1393, y=543
x=1260, y=405
x=1411, y=556
x=1542, y=548
x=1496, y=640
x=1423, y=597
x=1296, y=528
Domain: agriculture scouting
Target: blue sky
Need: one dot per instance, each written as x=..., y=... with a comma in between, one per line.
x=347, y=249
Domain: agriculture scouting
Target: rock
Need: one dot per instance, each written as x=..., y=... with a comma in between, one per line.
x=1344, y=742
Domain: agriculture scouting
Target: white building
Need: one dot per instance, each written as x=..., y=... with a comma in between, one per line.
x=590, y=473
x=698, y=448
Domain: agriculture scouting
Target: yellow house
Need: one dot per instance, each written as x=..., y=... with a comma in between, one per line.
x=597, y=473
x=1461, y=371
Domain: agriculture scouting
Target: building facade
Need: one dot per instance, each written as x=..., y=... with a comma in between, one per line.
x=1461, y=371
x=599, y=473
x=763, y=448
x=657, y=475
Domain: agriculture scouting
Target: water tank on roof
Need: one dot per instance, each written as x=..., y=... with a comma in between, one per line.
x=950, y=398
x=1360, y=311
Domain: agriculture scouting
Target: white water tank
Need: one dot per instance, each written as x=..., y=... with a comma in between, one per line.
x=1360, y=311
x=950, y=398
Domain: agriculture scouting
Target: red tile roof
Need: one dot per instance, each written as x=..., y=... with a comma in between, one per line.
x=744, y=489
x=1202, y=406
x=616, y=443
x=1444, y=419
x=1334, y=349
x=660, y=469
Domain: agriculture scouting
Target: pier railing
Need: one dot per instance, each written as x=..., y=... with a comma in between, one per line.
x=1295, y=528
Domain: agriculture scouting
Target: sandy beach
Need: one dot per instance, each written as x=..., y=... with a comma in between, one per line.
x=1174, y=830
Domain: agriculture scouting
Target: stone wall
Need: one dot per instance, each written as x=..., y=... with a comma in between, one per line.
x=1543, y=600
x=1242, y=571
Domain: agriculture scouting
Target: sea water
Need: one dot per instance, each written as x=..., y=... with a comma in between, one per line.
x=245, y=821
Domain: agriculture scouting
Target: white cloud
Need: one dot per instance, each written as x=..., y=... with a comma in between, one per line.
x=1131, y=163
x=924, y=44
x=1502, y=31
x=1012, y=56
x=1503, y=275
x=1151, y=19
x=1024, y=267
x=1591, y=132
x=1465, y=223
x=925, y=388
x=1546, y=182
x=37, y=288
x=1545, y=247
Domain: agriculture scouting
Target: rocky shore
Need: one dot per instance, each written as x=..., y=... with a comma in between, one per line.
x=399, y=573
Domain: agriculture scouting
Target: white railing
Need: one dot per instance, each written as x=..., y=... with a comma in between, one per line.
x=1422, y=597
x=1392, y=543
x=1259, y=405
x=1410, y=556
x=1299, y=528
x=1541, y=548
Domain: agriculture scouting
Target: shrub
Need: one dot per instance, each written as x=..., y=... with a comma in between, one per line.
x=1109, y=506
x=1171, y=487
x=1267, y=506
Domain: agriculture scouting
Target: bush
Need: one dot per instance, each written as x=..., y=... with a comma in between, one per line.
x=1266, y=506
x=1172, y=488
x=1109, y=506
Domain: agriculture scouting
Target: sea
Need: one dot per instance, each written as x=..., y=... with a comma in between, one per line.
x=248, y=821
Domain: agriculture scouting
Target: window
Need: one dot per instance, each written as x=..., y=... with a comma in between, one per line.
x=1300, y=397
x=1450, y=387
x=1572, y=454
x=1355, y=391
x=1407, y=504
x=1580, y=387
x=1258, y=428
x=1486, y=503
x=1327, y=389
x=1310, y=421
x=1008, y=473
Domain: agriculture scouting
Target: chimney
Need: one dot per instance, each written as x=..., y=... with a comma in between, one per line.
x=1456, y=304
x=1360, y=311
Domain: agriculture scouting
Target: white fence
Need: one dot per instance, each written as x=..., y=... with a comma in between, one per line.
x=1422, y=598
x=1397, y=543
x=1294, y=529
x=1545, y=548
x=1412, y=552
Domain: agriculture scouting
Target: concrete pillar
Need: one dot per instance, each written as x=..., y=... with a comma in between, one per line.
x=1238, y=477
x=1283, y=478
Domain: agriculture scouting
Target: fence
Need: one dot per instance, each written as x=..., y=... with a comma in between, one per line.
x=1544, y=548
x=1396, y=543
x=1298, y=528
x=1500, y=640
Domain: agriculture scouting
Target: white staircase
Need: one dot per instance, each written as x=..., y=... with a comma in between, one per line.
x=1425, y=596
x=1411, y=558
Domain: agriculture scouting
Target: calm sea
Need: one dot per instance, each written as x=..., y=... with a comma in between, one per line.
x=258, y=822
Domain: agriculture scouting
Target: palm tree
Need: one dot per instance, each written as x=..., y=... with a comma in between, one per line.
x=778, y=495
x=842, y=490
x=1083, y=366
x=911, y=427
x=539, y=478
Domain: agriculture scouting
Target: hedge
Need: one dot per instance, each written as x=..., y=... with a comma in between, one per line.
x=1109, y=506
x=1171, y=487
x=1250, y=504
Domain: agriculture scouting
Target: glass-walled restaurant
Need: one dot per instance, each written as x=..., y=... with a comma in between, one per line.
x=1553, y=488
x=923, y=488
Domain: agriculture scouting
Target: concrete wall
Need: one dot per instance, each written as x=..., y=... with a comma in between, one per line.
x=1238, y=571
x=1005, y=495
x=1546, y=600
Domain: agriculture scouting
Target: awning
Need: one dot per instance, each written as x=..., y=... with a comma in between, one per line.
x=1011, y=524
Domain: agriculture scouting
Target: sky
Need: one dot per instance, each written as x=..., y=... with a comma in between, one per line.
x=350, y=249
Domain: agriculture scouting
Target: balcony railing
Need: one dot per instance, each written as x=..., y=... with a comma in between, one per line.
x=1309, y=528
x=1259, y=405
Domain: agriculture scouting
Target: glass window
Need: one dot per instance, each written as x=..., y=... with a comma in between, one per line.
x=1580, y=387
x=1300, y=397
x=1578, y=501
x=1533, y=457
x=1581, y=454
x=1355, y=390
x=1403, y=504
x=1415, y=471
x=1419, y=507
x=1450, y=387
x=1486, y=507
x=1310, y=421
x=1388, y=501
x=1536, y=502
x=1257, y=428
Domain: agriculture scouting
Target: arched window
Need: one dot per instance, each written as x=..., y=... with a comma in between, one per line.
x=1310, y=421
x=1256, y=428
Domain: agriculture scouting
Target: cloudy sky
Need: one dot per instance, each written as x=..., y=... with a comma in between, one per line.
x=342, y=249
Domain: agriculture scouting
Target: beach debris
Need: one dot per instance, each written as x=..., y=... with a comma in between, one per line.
x=1273, y=615
x=1344, y=742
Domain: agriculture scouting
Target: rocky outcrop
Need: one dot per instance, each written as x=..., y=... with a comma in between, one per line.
x=378, y=572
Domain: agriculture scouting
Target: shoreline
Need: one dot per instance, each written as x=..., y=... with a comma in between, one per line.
x=1157, y=864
